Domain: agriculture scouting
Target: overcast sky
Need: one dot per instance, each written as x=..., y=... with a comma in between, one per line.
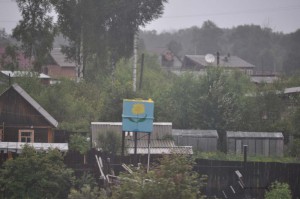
x=280, y=15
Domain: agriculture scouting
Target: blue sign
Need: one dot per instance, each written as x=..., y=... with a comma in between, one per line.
x=137, y=115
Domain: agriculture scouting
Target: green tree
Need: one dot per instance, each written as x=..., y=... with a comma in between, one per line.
x=9, y=60
x=36, y=175
x=172, y=178
x=102, y=32
x=175, y=47
x=86, y=192
x=110, y=142
x=278, y=191
x=253, y=43
x=81, y=144
x=207, y=38
x=35, y=30
x=211, y=101
x=291, y=61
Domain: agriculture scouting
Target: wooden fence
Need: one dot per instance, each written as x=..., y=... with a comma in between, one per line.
x=223, y=180
x=222, y=177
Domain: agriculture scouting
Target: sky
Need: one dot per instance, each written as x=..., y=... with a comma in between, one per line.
x=280, y=15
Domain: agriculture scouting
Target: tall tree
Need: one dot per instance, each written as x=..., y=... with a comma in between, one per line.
x=292, y=59
x=103, y=30
x=35, y=30
x=207, y=38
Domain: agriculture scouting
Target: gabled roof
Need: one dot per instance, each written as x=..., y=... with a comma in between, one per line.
x=61, y=59
x=224, y=61
x=34, y=104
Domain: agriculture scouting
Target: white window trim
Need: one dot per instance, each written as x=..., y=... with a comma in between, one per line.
x=26, y=130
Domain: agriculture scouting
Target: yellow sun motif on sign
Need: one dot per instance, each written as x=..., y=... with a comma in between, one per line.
x=138, y=109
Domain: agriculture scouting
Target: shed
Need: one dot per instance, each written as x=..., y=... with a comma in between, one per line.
x=161, y=130
x=200, y=140
x=159, y=144
x=259, y=143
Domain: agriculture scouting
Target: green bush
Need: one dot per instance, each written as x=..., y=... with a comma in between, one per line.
x=279, y=191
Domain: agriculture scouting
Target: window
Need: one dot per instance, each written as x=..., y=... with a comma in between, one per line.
x=26, y=136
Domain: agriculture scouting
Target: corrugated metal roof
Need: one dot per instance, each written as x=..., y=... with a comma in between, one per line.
x=38, y=107
x=292, y=90
x=195, y=132
x=61, y=59
x=24, y=74
x=232, y=61
x=158, y=147
x=159, y=151
x=240, y=134
x=153, y=143
x=263, y=79
x=13, y=146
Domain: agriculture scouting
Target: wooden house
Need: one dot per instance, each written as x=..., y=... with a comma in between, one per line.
x=200, y=140
x=259, y=143
x=23, y=120
x=200, y=63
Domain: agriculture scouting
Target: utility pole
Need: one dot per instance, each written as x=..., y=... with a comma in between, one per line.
x=134, y=60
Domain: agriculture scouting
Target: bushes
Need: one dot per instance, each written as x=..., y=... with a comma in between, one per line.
x=279, y=191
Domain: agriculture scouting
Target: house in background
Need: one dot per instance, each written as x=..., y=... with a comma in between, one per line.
x=259, y=143
x=201, y=63
x=24, y=121
x=59, y=66
x=200, y=140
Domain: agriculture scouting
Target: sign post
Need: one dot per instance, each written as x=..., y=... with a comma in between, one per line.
x=137, y=117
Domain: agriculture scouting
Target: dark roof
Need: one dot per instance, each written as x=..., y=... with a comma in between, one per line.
x=35, y=105
x=61, y=59
x=240, y=134
x=228, y=62
x=195, y=133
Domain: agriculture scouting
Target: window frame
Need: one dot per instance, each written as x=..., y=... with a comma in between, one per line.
x=31, y=136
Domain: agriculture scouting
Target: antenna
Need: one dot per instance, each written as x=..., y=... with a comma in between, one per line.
x=209, y=58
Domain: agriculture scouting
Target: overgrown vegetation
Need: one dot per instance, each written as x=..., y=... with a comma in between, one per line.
x=278, y=191
x=35, y=175
x=173, y=177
